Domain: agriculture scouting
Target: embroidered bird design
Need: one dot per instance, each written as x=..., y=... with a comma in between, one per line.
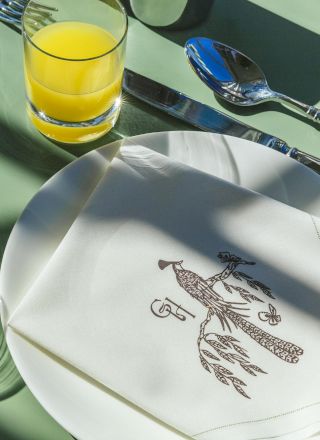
x=230, y=312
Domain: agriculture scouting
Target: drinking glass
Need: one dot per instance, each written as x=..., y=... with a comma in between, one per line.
x=170, y=14
x=74, y=62
x=10, y=380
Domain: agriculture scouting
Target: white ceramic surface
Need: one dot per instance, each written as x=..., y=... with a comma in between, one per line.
x=84, y=408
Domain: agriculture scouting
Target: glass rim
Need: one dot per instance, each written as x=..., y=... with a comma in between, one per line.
x=126, y=25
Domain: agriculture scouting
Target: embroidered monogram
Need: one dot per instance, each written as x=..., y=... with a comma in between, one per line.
x=215, y=348
x=163, y=309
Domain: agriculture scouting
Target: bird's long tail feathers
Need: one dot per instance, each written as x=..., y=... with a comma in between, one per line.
x=287, y=351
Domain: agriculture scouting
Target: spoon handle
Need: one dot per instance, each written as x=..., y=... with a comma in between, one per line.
x=309, y=111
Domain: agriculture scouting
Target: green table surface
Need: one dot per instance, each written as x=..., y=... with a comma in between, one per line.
x=282, y=36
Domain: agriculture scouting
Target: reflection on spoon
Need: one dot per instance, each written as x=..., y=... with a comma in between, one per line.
x=235, y=77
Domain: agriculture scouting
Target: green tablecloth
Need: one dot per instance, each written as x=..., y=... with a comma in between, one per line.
x=283, y=36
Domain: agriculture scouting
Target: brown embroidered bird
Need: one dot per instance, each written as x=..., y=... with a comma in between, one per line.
x=201, y=290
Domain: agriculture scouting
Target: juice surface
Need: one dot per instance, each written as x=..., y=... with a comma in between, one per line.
x=74, y=40
x=72, y=78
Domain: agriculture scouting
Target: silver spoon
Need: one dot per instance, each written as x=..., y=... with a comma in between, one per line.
x=235, y=77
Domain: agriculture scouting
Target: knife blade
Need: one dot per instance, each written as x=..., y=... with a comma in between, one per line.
x=205, y=117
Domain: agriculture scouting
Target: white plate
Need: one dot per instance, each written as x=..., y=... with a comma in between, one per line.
x=82, y=407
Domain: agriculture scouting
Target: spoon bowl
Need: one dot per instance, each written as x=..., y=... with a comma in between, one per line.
x=235, y=77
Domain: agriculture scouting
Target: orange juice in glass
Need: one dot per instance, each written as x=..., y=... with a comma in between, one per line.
x=74, y=63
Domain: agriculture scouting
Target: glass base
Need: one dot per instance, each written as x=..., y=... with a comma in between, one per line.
x=10, y=379
x=74, y=132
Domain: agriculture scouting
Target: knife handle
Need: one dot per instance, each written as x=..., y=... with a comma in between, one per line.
x=206, y=118
x=277, y=144
x=306, y=159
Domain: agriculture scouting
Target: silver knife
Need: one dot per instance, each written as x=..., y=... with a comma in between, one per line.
x=206, y=118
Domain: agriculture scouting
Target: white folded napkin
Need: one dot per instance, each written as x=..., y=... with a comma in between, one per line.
x=195, y=299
